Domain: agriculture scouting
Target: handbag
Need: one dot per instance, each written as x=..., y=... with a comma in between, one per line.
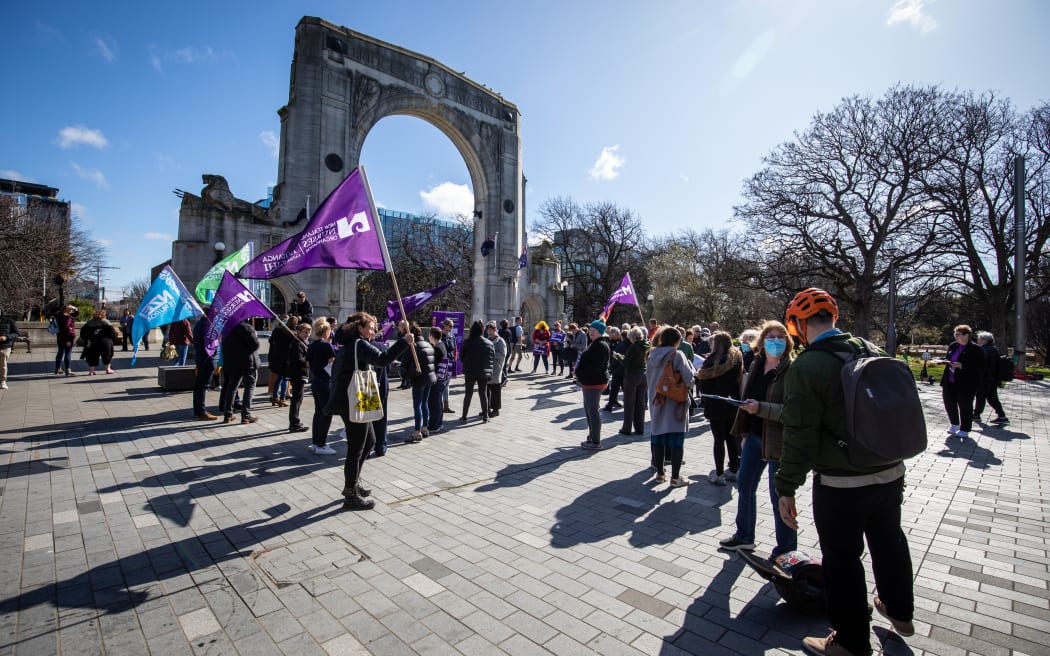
x=169, y=352
x=365, y=404
x=670, y=384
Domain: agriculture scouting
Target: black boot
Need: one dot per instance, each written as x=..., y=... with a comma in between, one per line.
x=357, y=502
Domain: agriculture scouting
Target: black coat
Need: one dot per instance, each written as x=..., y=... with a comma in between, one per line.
x=721, y=376
x=296, y=365
x=240, y=349
x=426, y=374
x=969, y=375
x=9, y=330
x=99, y=336
x=344, y=367
x=593, y=368
x=280, y=350
x=478, y=357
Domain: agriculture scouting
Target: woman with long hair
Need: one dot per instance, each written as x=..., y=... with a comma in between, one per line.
x=960, y=380
x=720, y=375
x=358, y=351
x=319, y=356
x=761, y=436
x=478, y=356
x=422, y=379
x=669, y=419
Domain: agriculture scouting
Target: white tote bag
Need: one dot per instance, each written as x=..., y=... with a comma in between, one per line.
x=365, y=404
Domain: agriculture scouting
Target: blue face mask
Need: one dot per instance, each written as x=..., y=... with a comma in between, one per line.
x=775, y=346
x=745, y=347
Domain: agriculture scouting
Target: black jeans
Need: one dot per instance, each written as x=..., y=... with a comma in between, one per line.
x=231, y=381
x=844, y=517
x=614, y=388
x=468, y=383
x=495, y=396
x=297, y=384
x=360, y=440
x=205, y=369
x=322, y=390
x=436, y=403
x=958, y=402
x=720, y=427
x=635, y=396
x=988, y=392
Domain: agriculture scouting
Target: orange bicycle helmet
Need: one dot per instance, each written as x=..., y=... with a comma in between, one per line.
x=807, y=303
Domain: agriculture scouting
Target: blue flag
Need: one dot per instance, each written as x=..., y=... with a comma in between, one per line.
x=167, y=301
x=523, y=261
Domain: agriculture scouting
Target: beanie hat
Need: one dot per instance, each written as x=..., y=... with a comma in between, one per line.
x=598, y=325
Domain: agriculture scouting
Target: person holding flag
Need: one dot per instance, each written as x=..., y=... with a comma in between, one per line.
x=166, y=301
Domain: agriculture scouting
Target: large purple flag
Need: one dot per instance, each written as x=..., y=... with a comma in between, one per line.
x=233, y=303
x=411, y=303
x=623, y=294
x=344, y=233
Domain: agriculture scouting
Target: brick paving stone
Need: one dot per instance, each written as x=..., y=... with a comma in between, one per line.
x=506, y=539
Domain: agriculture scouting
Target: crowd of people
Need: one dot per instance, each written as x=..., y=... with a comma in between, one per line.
x=770, y=408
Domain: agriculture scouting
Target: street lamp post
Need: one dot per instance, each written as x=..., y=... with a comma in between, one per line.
x=891, y=329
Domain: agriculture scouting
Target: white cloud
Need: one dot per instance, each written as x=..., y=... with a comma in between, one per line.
x=81, y=212
x=187, y=55
x=449, y=199
x=747, y=62
x=78, y=135
x=91, y=175
x=683, y=177
x=269, y=139
x=104, y=242
x=9, y=174
x=107, y=51
x=158, y=236
x=608, y=164
x=912, y=12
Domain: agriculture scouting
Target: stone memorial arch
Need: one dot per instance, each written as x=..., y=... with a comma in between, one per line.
x=342, y=84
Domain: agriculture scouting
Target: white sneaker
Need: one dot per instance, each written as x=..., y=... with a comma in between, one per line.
x=953, y=429
x=324, y=450
x=730, y=476
x=717, y=479
x=341, y=434
x=962, y=435
x=3, y=385
x=310, y=447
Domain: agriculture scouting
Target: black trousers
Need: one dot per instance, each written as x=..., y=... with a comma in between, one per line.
x=468, y=392
x=721, y=424
x=635, y=396
x=231, y=381
x=495, y=393
x=297, y=384
x=322, y=391
x=614, y=388
x=360, y=440
x=205, y=369
x=958, y=402
x=988, y=392
x=844, y=517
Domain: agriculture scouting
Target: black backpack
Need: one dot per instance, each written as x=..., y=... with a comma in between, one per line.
x=884, y=419
x=1004, y=371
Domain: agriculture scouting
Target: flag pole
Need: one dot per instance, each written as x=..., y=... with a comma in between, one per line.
x=386, y=256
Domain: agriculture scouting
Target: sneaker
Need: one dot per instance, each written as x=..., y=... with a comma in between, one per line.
x=731, y=476
x=3, y=385
x=902, y=628
x=660, y=478
x=323, y=450
x=679, y=482
x=593, y=446
x=736, y=544
x=717, y=479
x=341, y=434
x=962, y=435
x=953, y=429
x=827, y=647
x=1001, y=420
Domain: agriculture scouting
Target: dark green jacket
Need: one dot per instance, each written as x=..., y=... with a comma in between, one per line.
x=814, y=418
x=634, y=360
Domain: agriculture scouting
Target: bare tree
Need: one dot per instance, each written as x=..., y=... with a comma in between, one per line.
x=597, y=244
x=826, y=205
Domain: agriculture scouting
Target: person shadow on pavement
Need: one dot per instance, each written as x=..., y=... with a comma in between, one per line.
x=605, y=511
x=966, y=447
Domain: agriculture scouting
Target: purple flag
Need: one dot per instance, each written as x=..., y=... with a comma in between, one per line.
x=523, y=261
x=233, y=303
x=623, y=294
x=411, y=303
x=344, y=233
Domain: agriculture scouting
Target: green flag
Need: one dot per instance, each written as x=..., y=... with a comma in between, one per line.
x=205, y=291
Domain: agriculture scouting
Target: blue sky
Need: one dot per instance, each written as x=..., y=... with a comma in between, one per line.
x=662, y=107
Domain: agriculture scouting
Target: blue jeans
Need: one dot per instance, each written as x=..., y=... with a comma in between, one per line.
x=63, y=356
x=420, y=409
x=180, y=354
x=748, y=477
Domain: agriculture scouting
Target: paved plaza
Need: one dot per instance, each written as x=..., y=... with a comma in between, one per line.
x=126, y=528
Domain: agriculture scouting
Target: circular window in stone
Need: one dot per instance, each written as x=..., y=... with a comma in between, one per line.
x=508, y=206
x=333, y=162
